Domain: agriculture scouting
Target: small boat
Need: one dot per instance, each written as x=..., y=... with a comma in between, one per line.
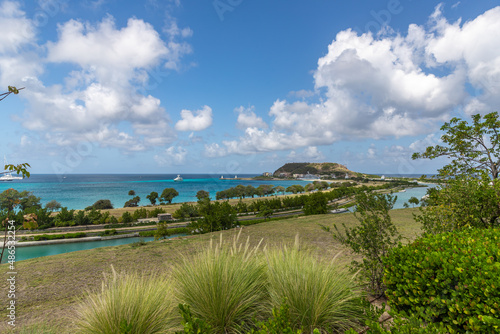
x=178, y=178
x=7, y=177
x=342, y=210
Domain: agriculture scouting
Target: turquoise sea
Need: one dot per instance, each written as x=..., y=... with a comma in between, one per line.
x=77, y=191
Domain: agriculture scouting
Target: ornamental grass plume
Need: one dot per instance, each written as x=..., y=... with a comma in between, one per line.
x=225, y=286
x=128, y=303
x=319, y=294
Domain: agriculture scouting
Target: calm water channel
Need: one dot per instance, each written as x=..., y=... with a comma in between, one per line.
x=24, y=253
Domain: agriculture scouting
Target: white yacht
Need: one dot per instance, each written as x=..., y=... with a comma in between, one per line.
x=7, y=176
x=178, y=178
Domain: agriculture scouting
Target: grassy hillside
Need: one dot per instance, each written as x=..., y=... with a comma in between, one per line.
x=324, y=168
x=48, y=288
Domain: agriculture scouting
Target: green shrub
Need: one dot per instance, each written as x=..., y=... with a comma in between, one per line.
x=372, y=239
x=316, y=204
x=155, y=212
x=81, y=218
x=102, y=204
x=451, y=278
x=186, y=211
x=191, y=324
x=126, y=218
x=108, y=232
x=59, y=236
x=140, y=214
x=224, y=286
x=128, y=303
x=320, y=295
x=217, y=216
x=146, y=234
x=163, y=232
x=279, y=323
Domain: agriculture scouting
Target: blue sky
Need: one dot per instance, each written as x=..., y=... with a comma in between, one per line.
x=238, y=86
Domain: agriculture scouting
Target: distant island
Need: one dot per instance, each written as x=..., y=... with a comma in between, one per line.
x=298, y=170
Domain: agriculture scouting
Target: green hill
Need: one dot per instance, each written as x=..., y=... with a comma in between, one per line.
x=324, y=168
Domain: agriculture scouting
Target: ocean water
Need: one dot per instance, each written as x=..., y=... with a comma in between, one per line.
x=77, y=191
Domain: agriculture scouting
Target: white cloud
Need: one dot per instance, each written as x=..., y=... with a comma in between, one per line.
x=214, y=150
x=310, y=153
x=103, y=97
x=197, y=121
x=475, y=45
x=248, y=119
x=388, y=85
x=17, y=30
x=17, y=45
x=172, y=156
x=111, y=54
x=301, y=94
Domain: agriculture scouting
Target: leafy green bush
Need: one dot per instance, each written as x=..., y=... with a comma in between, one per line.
x=59, y=236
x=163, y=231
x=81, y=218
x=320, y=295
x=451, y=278
x=316, y=204
x=128, y=303
x=186, y=211
x=140, y=214
x=279, y=323
x=108, y=232
x=101, y=204
x=146, y=234
x=462, y=202
x=217, y=216
x=127, y=218
x=224, y=286
x=155, y=212
x=191, y=324
x=372, y=239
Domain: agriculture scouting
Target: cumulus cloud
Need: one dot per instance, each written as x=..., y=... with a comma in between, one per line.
x=17, y=45
x=475, y=45
x=248, y=119
x=195, y=121
x=388, y=85
x=103, y=96
x=214, y=150
x=308, y=154
x=172, y=156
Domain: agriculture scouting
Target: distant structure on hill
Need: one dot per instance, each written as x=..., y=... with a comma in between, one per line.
x=308, y=170
x=309, y=177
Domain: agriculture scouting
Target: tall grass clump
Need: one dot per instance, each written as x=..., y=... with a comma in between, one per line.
x=225, y=286
x=128, y=303
x=319, y=294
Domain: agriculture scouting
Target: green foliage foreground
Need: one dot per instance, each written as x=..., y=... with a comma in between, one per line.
x=230, y=288
x=450, y=278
